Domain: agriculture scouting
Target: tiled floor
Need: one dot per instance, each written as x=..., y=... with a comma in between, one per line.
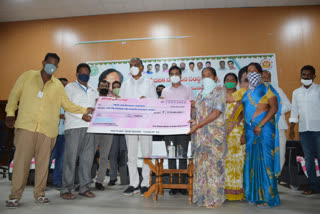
x=113, y=201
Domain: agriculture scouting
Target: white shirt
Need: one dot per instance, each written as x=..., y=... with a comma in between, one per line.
x=82, y=96
x=197, y=70
x=137, y=88
x=286, y=106
x=220, y=69
x=305, y=106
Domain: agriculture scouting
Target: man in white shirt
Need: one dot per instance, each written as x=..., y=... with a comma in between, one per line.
x=79, y=144
x=222, y=65
x=183, y=67
x=231, y=65
x=305, y=109
x=282, y=125
x=191, y=67
x=138, y=87
x=178, y=91
x=199, y=67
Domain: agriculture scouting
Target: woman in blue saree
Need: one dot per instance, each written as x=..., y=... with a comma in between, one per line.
x=262, y=107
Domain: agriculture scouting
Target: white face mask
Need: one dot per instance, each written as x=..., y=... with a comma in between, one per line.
x=175, y=79
x=134, y=71
x=306, y=82
x=208, y=83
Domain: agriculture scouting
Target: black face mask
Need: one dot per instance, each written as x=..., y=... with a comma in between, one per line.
x=103, y=91
x=159, y=93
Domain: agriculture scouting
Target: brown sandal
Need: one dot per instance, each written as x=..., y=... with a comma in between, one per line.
x=88, y=194
x=310, y=192
x=67, y=196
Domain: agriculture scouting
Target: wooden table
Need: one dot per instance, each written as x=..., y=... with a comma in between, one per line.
x=158, y=186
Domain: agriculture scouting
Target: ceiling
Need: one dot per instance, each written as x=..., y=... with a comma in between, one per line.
x=20, y=10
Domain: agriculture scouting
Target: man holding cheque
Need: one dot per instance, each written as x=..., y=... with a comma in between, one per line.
x=138, y=87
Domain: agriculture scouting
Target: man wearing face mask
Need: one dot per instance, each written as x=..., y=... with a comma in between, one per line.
x=118, y=152
x=79, y=143
x=116, y=88
x=104, y=141
x=283, y=126
x=138, y=87
x=305, y=109
x=39, y=96
x=178, y=91
x=103, y=88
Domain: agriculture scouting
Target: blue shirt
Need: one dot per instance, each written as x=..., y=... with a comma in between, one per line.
x=61, y=123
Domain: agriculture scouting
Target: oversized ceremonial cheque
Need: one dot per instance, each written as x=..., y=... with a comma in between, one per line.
x=140, y=116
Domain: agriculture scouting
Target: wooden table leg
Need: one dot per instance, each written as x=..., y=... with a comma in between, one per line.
x=190, y=180
x=161, y=177
x=155, y=196
x=152, y=187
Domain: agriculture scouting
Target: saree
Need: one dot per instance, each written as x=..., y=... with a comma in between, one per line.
x=234, y=160
x=209, y=148
x=262, y=161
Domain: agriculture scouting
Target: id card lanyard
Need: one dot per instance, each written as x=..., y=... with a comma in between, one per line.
x=84, y=89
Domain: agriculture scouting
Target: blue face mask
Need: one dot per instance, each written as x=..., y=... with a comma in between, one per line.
x=83, y=77
x=50, y=69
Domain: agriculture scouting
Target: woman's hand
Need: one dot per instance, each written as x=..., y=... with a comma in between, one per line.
x=192, y=122
x=194, y=127
x=257, y=130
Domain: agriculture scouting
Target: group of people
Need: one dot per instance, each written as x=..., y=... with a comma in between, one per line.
x=235, y=133
x=239, y=136
x=192, y=67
